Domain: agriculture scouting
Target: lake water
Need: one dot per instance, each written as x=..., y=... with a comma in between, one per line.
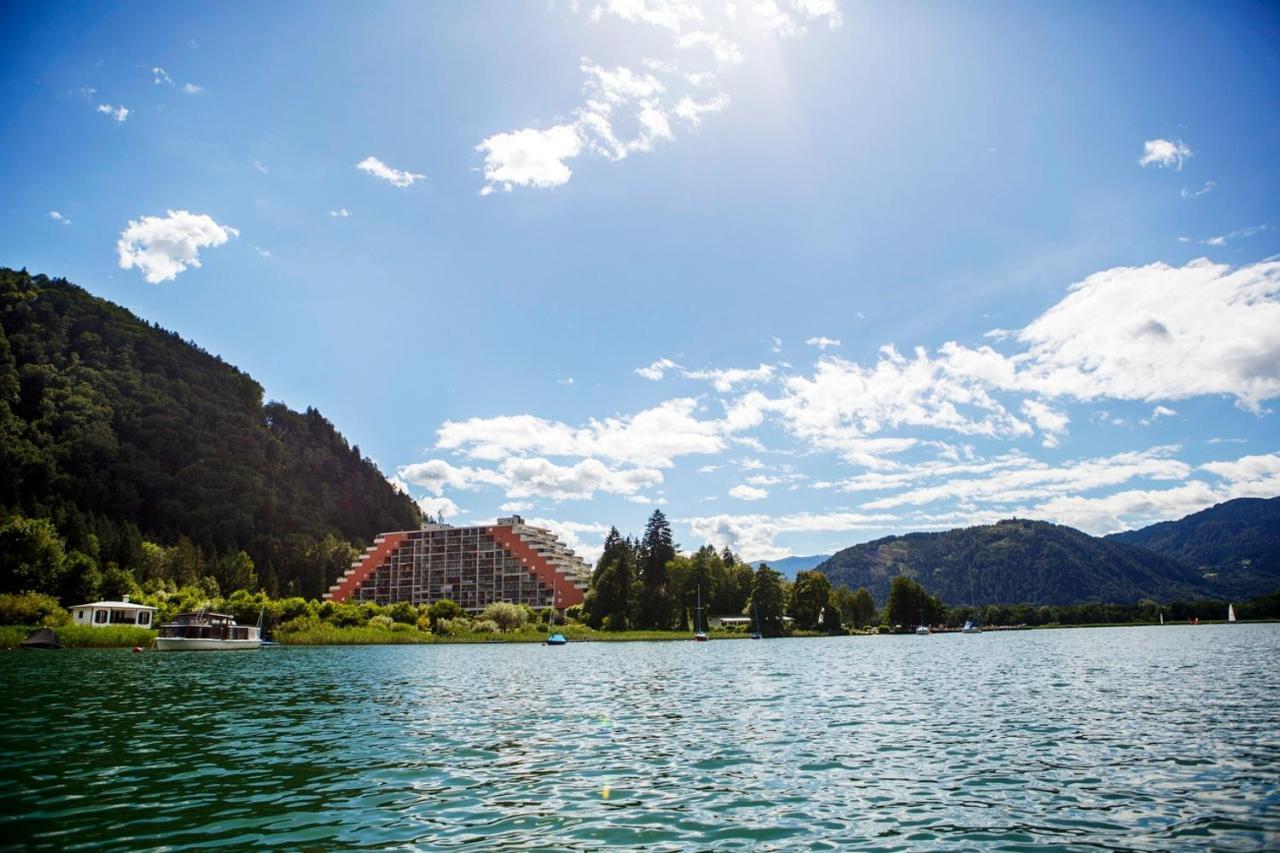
x=1140, y=738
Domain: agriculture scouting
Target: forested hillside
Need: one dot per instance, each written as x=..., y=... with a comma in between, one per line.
x=1235, y=544
x=1015, y=561
x=148, y=455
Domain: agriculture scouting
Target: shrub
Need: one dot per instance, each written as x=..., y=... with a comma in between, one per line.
x=508, y=617
x=485, y=626
x=424, y=624
x=574, y=613
x=444, y=609
x=403, y=612
x=381, y=621
x=400, y=627
x=452, y=627
x=31, y=608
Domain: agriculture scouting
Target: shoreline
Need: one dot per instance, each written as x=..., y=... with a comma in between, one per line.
x=83, y=637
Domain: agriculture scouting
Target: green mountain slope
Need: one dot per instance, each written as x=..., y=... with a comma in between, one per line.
x=116, y=430
x=1014, y=562
x=1236, y=544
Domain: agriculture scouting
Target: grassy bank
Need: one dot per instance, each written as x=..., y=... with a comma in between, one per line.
x=329, y=635
x=82, y=636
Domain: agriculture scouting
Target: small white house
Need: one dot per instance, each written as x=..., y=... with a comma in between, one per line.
x=100, y=614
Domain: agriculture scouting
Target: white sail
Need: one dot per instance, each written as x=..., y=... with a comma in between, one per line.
x=1162, y=617
x=1231, y=613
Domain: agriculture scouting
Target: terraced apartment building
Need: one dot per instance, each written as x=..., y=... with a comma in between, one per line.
x=474, y=566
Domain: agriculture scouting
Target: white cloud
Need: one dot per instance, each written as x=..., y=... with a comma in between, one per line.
x=1165, y=153
x=260, y=166
x=1034, y=480
x=623, y=110
x=340, y=213
x=724, y=49
x=162, y=248
x=118, y=114
x=438, y=507
x=691, y=111
x=1162, y=412
x=1124, y=510
x=1249, y=476
x=1159, y=333
x=516, y=506
x=192, y=89
x=571, y=533
x=395, y=177
x=528, y=477
x=823, y=343
x=724, y=379
x=1203, y=191
x=161, y=77
x=669, y=14
x=1048, y=420
x=263, y=253
x=657, y=370
x=568, y=380
x=748, y=493
x=399, y=485
x=58, y=217
x=529, y=157
x=1238, y=234
x=653, y=437
x=752, y=536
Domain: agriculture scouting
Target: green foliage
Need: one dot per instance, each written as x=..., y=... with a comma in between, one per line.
x=31, y=608
x=31, y=555
x=657, y=548
x=444, y=610
x=381, y=621
x=1235, y=544
x=508, y=617
x=910, y=605
x=403, y=612
x=608, y=602
x=768, y=601
x=148, y=453
x=1014, y=561
x=809, y=596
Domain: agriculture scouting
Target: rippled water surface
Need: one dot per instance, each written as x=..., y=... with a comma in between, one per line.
x=1140, y=738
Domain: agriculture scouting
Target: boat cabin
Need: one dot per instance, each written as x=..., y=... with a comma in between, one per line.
x=101, y=614
x=203, y=625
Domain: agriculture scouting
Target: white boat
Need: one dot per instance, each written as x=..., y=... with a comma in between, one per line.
x=970, y=627
x=1231, y=613
x=203, y=631
x=922, y=630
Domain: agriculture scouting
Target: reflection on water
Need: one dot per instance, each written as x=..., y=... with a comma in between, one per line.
x=1144, y=738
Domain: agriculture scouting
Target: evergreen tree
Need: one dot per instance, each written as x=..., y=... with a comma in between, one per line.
x=657, y=548
x=768, y=601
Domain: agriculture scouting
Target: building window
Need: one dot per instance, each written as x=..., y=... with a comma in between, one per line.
x=144, y=617
x=100, y=617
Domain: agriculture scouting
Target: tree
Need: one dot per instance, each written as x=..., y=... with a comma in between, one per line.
x=909, y=604
x=809, y=595
x=657, y=548
x=31, y=556
x=832, y=622
x=608, y=602
x=767, y=601
x=508, y=616
x=444, y=608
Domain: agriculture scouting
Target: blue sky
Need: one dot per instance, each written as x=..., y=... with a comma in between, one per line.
x=803, y=273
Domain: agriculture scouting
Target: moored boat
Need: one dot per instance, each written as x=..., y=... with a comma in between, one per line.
x=556, y=640
x=203, y=631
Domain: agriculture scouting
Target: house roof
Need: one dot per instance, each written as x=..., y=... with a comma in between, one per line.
x=116, y=605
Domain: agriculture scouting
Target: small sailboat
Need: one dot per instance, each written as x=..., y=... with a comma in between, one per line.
x=1161, y=617
x=755, y=612
x=922, y=630
x=1231, y=613
x=699, y=628
x=556, y=639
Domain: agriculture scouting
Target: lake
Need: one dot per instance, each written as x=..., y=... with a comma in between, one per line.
x=1141, y=738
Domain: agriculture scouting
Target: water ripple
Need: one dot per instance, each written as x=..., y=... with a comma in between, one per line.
x=1139, y=739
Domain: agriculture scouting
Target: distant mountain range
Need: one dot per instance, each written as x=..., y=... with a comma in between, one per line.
x=789, y=566
x=1235, y=545
x=1012, y=562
